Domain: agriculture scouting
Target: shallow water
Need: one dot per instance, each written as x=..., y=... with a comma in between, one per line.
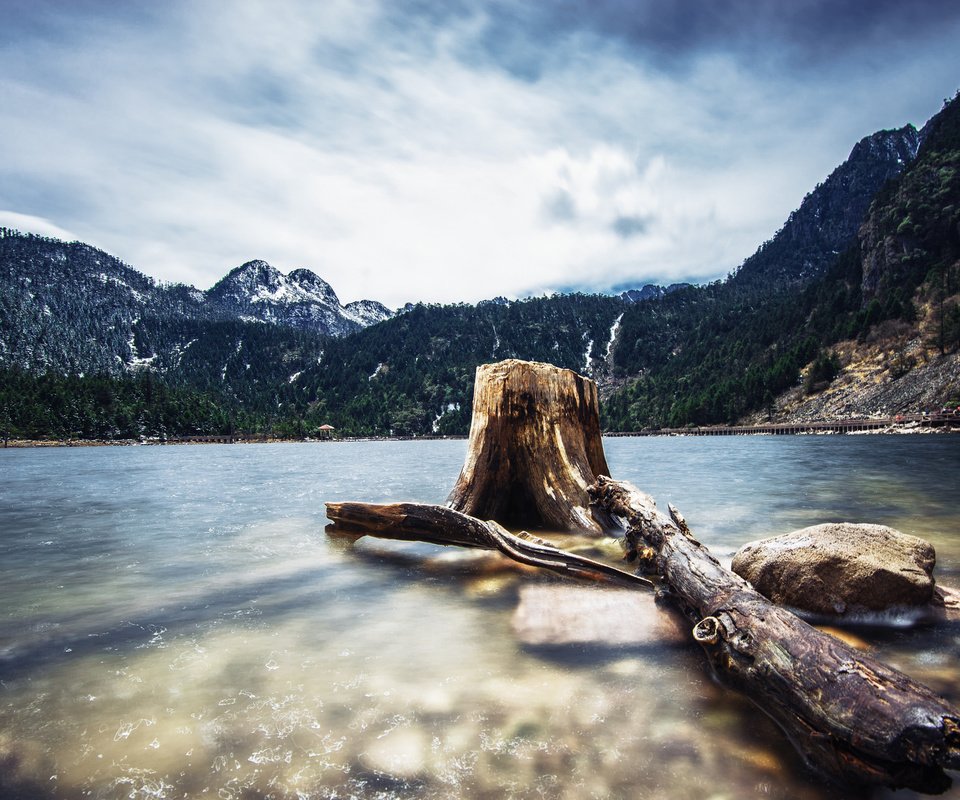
x=176, y=623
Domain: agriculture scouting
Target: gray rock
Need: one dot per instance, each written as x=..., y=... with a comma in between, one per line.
x=840, y=568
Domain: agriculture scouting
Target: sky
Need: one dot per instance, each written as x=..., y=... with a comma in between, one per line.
x=443, y=150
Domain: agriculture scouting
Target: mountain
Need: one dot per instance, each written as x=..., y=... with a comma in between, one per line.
x=829, y=217
x=256, y=291
x=853, y=306
x=676, y=334
x=900, y=350
x=69, y=307
x=827, y=310
x=913, y=223
x=91, y=347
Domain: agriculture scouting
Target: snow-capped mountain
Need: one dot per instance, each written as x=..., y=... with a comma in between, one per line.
x=68, y=307
x=256, y=291
x=366, y=312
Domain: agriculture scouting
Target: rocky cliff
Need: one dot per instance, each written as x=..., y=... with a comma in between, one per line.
x=913, y=225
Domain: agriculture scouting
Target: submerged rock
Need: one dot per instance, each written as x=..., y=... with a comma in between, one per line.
x=559, y=614
x=839, y=568
x=946, y=601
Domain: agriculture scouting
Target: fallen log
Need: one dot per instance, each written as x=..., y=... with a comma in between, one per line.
x=850, y=716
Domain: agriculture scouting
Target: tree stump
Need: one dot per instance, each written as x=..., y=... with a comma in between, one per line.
x=534, y=449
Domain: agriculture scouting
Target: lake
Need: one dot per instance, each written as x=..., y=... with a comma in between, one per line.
x=176, y=623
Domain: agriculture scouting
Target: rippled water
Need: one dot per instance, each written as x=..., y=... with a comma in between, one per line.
x=176, y=623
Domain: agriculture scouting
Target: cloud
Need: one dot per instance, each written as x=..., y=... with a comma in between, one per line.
x=29, y=224
x=626, y=227
x=528, y=39
x=560, y=206
x=449, y=151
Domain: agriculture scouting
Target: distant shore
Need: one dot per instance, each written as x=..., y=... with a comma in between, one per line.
x=893, y=426
x=900, y=424
x=201, y=440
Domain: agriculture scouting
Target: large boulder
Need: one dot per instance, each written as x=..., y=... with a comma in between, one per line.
x=839, y=568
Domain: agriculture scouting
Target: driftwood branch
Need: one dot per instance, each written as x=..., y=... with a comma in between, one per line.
x=849, y=716
x=417, y=522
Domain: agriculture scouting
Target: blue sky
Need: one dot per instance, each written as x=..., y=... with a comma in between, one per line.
x=448, y=151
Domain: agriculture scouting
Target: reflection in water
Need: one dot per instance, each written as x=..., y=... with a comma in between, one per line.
x=176, y=623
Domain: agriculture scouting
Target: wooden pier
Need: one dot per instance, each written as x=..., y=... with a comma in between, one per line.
x=223, y=438
x=901, y=422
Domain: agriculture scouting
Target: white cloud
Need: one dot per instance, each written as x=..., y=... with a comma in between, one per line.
x=30, y=224
x=373, y=150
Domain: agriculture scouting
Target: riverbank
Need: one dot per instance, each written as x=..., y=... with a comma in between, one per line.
x=196, y=440
x=879, y=379
x=19, y=443
x=901, y=424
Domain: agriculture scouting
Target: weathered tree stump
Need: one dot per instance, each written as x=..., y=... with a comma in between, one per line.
x=534, y=449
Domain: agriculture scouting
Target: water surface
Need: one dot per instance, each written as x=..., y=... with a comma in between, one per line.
x=176, y=623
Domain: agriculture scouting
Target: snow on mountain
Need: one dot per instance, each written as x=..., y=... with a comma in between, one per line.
x=69, y=307
x=367, y=312
x=256, y=290
x=312, y=286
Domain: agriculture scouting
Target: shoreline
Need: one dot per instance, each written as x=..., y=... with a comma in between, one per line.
x=20, y=444
x=811, y=429
x=902, y=424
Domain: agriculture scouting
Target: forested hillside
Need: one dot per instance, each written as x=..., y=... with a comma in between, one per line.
x=721, y=351
x=869, y=263
x=195, y=378
x=713, y=354
x=414, y=374
x=106, y=407
x=910, y=240
x=70, y=308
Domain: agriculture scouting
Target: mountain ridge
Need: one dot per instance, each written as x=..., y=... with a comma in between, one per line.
x=829, y=216
x=301, y=299
x=98, y=302
x=769, y=348
x=784, y=330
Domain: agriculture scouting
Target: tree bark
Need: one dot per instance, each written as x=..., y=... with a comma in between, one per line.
x=417, y=522
x=849, y=716
x=534, y=449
